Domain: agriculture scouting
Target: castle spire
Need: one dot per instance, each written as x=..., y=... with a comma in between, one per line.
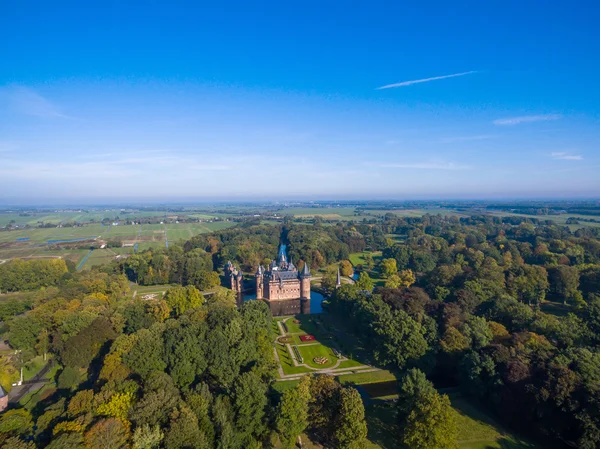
x=305, y=270
x=338, y=281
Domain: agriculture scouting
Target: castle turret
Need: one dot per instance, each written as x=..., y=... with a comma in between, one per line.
x=305, y=282
x=259, y=278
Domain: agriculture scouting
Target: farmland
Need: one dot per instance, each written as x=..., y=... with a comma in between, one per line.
x=74, y=242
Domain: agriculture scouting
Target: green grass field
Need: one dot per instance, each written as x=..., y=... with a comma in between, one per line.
x=309, y=352
x=359, y=258
x=287, y=363
x=476, y=429
x=147, y=236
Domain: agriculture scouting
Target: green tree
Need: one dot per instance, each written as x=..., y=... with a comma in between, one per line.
x=249, y=404
x=329, y=279
x=146, y=437
x=180, y=299
x=350, y=427
x=67, y=440
x=184, y=432
x=292, y=414
x=431, y=424
x=346, y=268
x=388, y=267
x=16, y=422
x=364, y=282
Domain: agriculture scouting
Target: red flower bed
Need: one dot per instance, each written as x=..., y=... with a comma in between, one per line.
x=306, y=337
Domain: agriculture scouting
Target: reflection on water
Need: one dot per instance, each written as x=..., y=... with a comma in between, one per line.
x=316, y=301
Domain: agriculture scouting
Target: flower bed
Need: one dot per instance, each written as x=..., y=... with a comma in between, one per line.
x=320, y=360
x=307, y=337
x=297, y=353
x=284, y=340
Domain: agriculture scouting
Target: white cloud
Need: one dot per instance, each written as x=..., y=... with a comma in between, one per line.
x=566, y=156
x=425, y=80
x=428, y=166
x=28, y=101
x=526, y=119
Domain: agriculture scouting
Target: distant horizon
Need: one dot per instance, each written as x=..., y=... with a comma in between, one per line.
x=278, y=201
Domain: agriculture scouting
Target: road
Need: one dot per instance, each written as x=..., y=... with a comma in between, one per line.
x=35, y=383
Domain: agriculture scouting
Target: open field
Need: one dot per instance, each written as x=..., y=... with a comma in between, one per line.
x=327, y=213
x=476, y=429
x=46, y=242
x=359, y=258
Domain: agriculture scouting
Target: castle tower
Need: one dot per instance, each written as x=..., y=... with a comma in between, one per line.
x=259, y=282
x=305, y=282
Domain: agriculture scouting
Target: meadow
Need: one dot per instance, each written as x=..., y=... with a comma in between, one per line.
x=71, y=242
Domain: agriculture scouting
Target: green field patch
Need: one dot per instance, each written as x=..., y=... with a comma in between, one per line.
x=349, y=364
x=359, y=258
x=366, y=378
x=310, y=352
x=478, y=430
x=287, y=364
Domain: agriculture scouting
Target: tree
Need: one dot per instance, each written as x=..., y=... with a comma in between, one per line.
x=68, y=440
x=431, y=424
x=426, y=418
x=184, y=432
x=146, y=354
x=69, y=378
x=249, y=404
x=346, y=268
x=18, y=443
x=146, y=437
x=180, y=299
x=292, y=414
x=388, y=267
x=407, y=278
x=350, y=427
x=24, y=331
x=16, y=422
x=393, y=281
x=564, y=282
x=364, y=282
x=329, y=279
x=108, y=433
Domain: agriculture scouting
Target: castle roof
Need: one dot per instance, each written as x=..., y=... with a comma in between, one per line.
x=305, y=270
x=3, y=392
x=284, y=275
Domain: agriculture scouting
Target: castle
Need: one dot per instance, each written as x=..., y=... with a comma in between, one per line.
x=281, y=285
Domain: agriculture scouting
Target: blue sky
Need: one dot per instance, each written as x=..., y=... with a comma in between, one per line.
x=182, y=100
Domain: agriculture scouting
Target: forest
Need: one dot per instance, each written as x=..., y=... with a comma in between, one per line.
x=505, y=309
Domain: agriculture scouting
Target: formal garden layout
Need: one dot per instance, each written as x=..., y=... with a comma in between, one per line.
x=308, y=344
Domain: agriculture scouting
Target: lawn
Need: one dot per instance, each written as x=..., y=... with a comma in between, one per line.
x=309, y=352
x=366, y=378
x=359, y=258
x=33, y=367
x=287, y=363
x=478, y=430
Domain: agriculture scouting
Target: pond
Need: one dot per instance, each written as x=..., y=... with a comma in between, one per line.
x=316, y=301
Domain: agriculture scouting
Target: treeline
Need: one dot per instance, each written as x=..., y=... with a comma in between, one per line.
x=173, y=265
x=19, y=275
x=317, y=245
x=179, y=372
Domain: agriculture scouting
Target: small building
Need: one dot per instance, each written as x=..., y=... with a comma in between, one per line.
x=3, y=399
